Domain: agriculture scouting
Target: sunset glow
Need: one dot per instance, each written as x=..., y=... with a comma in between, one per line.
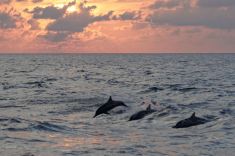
x=72, y=9
x=117, y=26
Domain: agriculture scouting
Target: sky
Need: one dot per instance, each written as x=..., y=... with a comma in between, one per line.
x=117, y=26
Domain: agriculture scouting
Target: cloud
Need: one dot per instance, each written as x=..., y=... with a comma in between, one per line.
x=165, y=4
x=216, y=3
x=8, y=19
x=195, y=16
x=128, y=16
x=5, y=1
x=172, y=4
x=21, y=0
x=129, y=1
x=68, y=24
x=139, y=25
x=55, y=36
x=50, y=12
x=37, y=1
x=76, y=22
x=34, y=24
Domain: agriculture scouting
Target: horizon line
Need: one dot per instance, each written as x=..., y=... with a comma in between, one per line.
x=109, y=53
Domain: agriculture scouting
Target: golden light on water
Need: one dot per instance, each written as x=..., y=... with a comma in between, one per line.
x=69, y=142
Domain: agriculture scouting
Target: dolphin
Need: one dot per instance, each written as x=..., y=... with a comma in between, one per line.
x=191, y=121
x=110, y=104
x=142, y=114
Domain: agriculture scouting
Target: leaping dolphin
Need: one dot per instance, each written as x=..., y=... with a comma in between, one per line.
x=110, y=104
x=142, y=114
x=191, y=121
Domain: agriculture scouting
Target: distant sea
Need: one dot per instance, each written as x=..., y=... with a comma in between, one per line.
x=47, y=104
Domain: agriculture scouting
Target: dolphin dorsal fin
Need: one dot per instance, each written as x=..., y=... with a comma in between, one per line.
x=193, y=115
x=110, y=99
x=148, y=108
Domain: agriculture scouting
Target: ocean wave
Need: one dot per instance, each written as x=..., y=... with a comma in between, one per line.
x=49, y=111
x=46, y=126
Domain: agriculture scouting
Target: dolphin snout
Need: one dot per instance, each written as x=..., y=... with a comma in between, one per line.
x=94, y=115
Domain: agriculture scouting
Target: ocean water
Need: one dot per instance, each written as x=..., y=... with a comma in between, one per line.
x=47, y=104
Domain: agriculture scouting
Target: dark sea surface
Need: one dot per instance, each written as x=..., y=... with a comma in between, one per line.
x=47, y=104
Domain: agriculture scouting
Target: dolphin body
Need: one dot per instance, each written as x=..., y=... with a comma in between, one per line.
x=142, y=114
x=109, y=105
x=191, y=121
